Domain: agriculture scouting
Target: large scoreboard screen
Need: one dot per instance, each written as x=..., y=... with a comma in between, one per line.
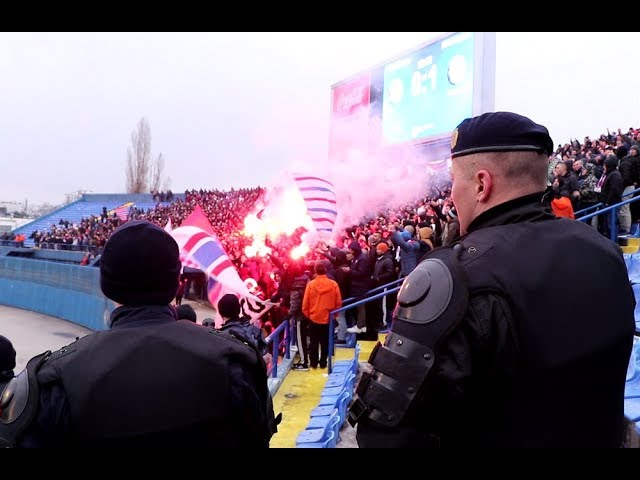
x=428, y=92
x=416, y=98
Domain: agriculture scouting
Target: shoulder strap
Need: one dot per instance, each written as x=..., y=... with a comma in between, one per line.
x=19, y=402
x=431, y=302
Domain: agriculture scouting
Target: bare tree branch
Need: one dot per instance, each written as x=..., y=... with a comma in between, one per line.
x=139, y=158
x=156, y=173
x=166, y=185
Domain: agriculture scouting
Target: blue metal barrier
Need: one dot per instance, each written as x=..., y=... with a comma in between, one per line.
x=613, y=233
x=332, y=315
x=351, y=299
x=585, y=210
x=11, y=243
x=274, y=340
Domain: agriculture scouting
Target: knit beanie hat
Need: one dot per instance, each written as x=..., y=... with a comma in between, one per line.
x=140, y=265
x=382, y=248
x=229, y=306
x=186, y=312
x=208, y=322
x=425, y=233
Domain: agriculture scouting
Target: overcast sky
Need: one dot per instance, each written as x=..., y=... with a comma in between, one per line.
x=234, y=109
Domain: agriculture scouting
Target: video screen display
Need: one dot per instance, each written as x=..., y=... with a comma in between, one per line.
x=427, y=93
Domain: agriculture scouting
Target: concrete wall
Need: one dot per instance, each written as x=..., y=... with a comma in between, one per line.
x=65, y=291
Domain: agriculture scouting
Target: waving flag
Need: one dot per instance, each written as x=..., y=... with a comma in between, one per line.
x=320, y=199
x=123, y=211
x=199, y=248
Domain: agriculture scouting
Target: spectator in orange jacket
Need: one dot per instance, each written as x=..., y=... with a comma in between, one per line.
x=562, y=207
x=320, y=297
x=561, y=204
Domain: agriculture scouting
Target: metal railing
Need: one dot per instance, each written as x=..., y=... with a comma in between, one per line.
x=585, y=210
x=11, y=243
x=361, y=297
x=275, y=341
x=367, y=299
x=613, y=223
x=600, y=204
x=69, y=247
x=285, y=328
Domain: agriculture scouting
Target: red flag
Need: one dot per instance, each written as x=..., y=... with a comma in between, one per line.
x=200, y=248
x=197, y=218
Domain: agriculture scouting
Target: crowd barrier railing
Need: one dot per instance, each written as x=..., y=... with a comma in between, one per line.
x=274, y=339
x=362, y=300
x=11, y=243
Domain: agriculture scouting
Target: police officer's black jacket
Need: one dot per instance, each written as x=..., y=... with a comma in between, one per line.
x=540, y=356
x=153, y=381
x=250, y=332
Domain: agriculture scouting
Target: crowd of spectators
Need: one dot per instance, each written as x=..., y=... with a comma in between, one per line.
x=12, y=239
x=161, y=197
x=578, y=172
x=602, y=170
x=89, y=235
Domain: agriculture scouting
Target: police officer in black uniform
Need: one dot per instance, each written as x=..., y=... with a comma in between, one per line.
x=7, y=361
x=148, y=381
x=229, y=310
x=516, y=335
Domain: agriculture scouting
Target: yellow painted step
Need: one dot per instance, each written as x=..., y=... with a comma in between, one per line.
x=633, y=241
x=300, y=393
x=629, y=249
x=297, y=396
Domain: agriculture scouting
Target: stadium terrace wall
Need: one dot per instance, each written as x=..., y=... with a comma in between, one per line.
x=70, y=292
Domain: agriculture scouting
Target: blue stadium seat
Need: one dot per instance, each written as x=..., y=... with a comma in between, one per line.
x=343, y=403
x=632, y=408
x=633, y=369
x=324, y=410
x=343, y=367
x=632, y=388
x=329, y=399
x=636, y=293
x=632, y=385
x=312, y=435
x=334, y=399
x=351, y=341
x=332, y=390
x=329, y=442
x=337, y=379
x=320, y=428
x=327, y=422
x=343, y=382
x=634, y=268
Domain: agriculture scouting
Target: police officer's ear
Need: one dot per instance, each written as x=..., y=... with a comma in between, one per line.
x=484, y=182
